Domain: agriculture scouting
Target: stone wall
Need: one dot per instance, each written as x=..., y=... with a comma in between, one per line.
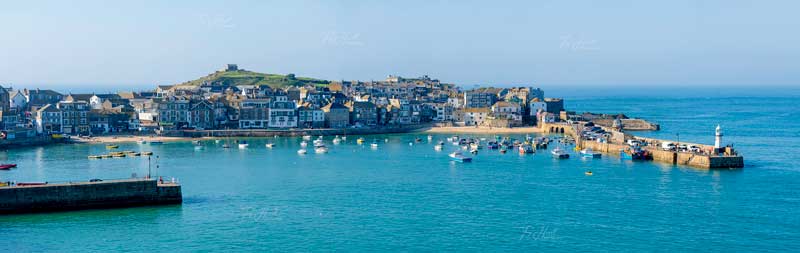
x=86, y=195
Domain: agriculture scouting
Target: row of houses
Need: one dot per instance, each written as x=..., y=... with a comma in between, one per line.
x=341, y=104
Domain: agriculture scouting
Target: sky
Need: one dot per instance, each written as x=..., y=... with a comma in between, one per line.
x=106, y=44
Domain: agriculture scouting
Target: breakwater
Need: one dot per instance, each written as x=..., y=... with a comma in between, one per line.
x=678, y=158
x=88, y=195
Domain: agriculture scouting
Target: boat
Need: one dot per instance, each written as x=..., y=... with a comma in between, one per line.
x=438, y=147
x=95, y=157
x=321, y=150
x=458, y=157
x=304, y=144
x=147, y=153
x=216, y=141
x=30, y=183
x=635, y=154
x=156, y=142
x=492, y=145
x=136, y=154
x=474, y=151
x=118, y=155
x=418, y=139
x=198, y=147
x=318, y=142
x=105, y=156
x=112, y=146
x=337, y=140
x=374, y=144
x=306, y=137
x=360, y=140
x=226, y=145
x=270, y=145
x=7, y=166
x=503, y=150
x=588, y=173
x=525, y=149
x=243, y=145
x=430, y=137
x=195, y=142
x=141, y=141
x=559, y=153
x=588, y=152
x=302, y=151
x=475, y=145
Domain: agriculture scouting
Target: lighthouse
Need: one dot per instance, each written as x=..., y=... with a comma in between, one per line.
x=718, y=140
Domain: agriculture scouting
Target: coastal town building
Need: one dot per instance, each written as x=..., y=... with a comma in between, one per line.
x=254, y=113
x=336, y=115
x=282, y=114
x=48, y=119
x=74, y=117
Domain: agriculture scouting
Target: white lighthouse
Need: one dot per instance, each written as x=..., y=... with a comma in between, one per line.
x=718, y=140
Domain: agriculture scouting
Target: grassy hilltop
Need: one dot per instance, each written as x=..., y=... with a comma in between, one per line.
x=244, y=77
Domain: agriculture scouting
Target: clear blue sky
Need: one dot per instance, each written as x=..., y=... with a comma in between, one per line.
x=465, y=42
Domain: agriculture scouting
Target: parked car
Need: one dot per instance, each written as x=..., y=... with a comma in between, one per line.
x=668, y=146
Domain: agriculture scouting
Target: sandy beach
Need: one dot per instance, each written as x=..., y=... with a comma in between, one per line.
x=484, y=130
x=126, y=138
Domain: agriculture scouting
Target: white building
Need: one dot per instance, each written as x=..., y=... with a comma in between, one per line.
x=282, y=114
x=536, y=105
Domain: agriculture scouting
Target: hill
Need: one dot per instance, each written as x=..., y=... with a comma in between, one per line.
x=244, y=77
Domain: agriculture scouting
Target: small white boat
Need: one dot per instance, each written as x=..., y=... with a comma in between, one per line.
x=302, y=151
x=430, y=137
x=321, y=150
x=156, y=142
x=589, y=153
x=303, y=144
x=198, y=147
x=141, y=141
x=438, y=147
x=344, y=138
x=318, y=142
x=337, y=140
x=374, y=144
x=560, y=153
x=270, y=145
x=458, y=157
x=243, y=145
x=216, y=141
x=306, y=137
x=195, y=142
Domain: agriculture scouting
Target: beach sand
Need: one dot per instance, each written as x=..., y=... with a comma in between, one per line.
x=127, y=138
x=484, y=130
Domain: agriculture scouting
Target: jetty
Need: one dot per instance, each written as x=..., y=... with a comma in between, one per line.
x=51, y=197
x=615, y=141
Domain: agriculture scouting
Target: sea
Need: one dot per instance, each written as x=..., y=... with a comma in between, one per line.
x=406, y=196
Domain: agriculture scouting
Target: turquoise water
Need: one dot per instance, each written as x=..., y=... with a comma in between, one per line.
x=413, y=198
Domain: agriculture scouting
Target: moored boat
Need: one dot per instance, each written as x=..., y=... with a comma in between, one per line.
x=156, y=142
x=7, y=166
x=303, y=144
x=302, y=151
x=321, y=150
x=112, y=146
x=559, y=153
x=360, y=140
x=95, y=157
x=525, y=149
x=243, y=145
x=588, y=152
x=270, y=145
x=458, y=157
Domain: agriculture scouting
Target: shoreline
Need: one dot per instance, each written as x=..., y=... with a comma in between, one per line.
x=439, y=130
x=485, y=130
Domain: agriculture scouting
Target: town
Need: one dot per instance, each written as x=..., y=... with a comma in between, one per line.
x=233, y=98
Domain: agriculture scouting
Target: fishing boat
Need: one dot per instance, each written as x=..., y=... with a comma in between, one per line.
x=458, y=157
x=270, y=145
x=243, y=145
x=302, y=151
x=112, y=146
x=635, y=154
x=303, y=144
x=118, y=155
x=360, y=140
x=559, y=153
x=589, y=153
x=7, y=166
x=321, y=150
x=136, y=154
x=95, y=157
x=525, y=149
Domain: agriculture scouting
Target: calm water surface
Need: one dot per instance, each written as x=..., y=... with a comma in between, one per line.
x=414, y=198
